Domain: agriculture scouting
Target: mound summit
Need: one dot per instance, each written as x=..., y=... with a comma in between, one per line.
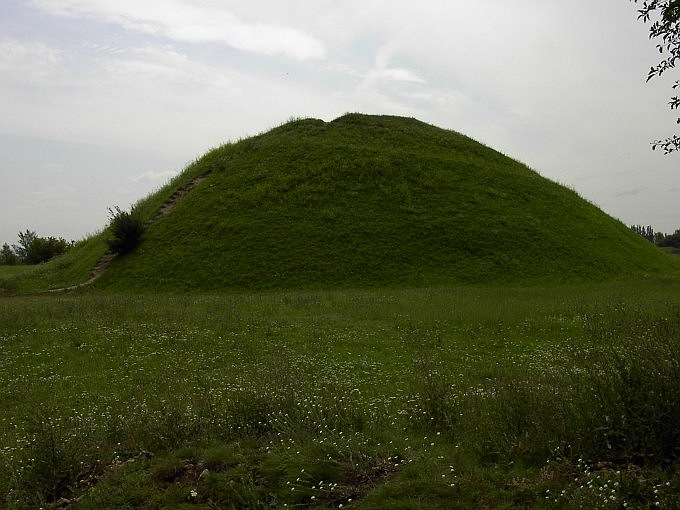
x=374, y=201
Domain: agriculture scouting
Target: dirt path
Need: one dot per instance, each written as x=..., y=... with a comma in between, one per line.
x=176, y=197
x=103, y=263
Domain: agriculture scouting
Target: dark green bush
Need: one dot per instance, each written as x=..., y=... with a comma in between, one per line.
x=33, y=249
x=127, y=229
x=43, y=249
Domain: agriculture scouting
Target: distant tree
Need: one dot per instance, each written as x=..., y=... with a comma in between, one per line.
x=7, y=256
x=646, y=232
x=659, y=238
x=33, y=249
x=649, y=234
x=43, y=249
x=127, y=229
x=25, y=240
x=671, y=240
x=664, y=16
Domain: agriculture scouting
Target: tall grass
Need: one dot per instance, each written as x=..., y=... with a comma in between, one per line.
x=614, y=399
x=441, y=397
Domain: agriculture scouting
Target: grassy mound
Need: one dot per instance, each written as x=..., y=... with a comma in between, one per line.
x=373, y=201
x=358, y=202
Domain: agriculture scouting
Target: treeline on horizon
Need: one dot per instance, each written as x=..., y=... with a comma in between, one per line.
x=125, y=229
x=33, y=249
x=658, y=238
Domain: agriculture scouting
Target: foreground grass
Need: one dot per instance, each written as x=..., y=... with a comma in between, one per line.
x=426, y=398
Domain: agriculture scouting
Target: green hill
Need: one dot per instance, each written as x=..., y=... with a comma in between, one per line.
x=375, y=200
x=365, y=201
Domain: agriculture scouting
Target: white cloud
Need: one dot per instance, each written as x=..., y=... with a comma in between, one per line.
x=540, y=81
x=50, y=197
x=27, y=61
x=182, y=20
x=397, y=74
x=148, y=63
x=104, y=48
x=52, y=167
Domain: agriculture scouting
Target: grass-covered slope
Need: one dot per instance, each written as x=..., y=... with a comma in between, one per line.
x=367, y=200
x=72, y=268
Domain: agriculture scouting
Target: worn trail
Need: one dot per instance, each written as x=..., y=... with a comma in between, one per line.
x=103, y=263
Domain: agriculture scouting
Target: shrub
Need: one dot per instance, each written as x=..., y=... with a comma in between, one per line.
x=127, y=229
x=33, y=249
x=43, y=249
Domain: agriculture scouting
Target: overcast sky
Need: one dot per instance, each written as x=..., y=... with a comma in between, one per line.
x=103, y=100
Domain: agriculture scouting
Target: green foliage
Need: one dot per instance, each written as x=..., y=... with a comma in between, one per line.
x=25, y=240
x=664, y=16
x=126, y=228
x=43, y=249
x=7, y=256
x=658, y=238
x=669, y=240
x=33, y=249
x=646, y=232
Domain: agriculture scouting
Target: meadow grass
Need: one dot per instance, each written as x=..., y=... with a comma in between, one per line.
x=477, y=396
